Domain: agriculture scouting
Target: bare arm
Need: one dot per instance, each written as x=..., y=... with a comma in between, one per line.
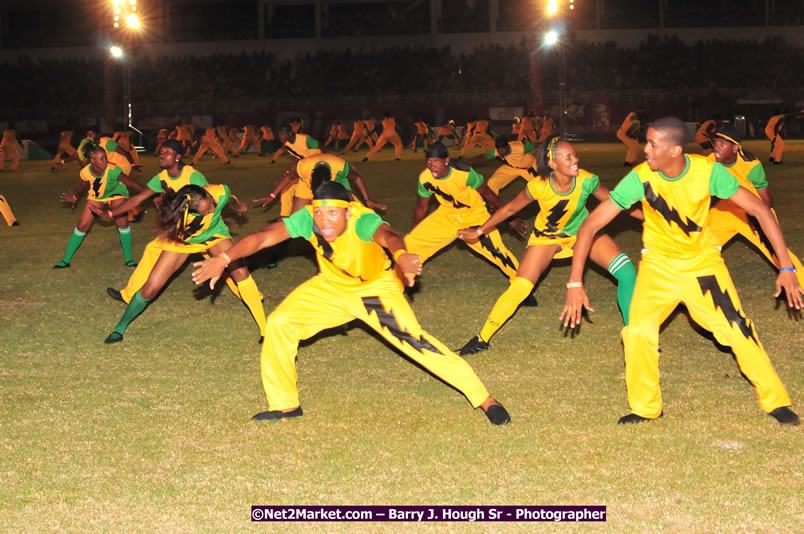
x=787, y=278
x=421, y=210
x=602, y=193
x=576, y=296
x=128, y=182
x=212, y=268
x=131, y=203
x=284, y=180
x=510, y=209
x=766, y=197
x=357, y=182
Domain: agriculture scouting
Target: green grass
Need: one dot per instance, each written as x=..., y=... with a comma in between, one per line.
x=153, y=434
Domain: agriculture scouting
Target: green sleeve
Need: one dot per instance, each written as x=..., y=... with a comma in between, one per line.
x=300, y=224
x=424, y=193
x=198, y=179
x=154, y=184
x=311, y=143
x=491, y=154
x=629, y=191
x=227, y=194
x=529, y=147
x=111, y=145
x=590, y=185
x=115, y=173
x=474, y=180
x=757, y=177
x=366, y=225
x=722, y=183
x=343, y=177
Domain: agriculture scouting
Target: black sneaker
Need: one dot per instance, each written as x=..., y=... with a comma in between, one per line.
x=498, y=415
x=531, y=301
x=276, y=415
x=61, y=265
x=632, y=419
x=114, y=337
x=365, y=159
x=474, y=346
x=115, y=294
x=785, y=416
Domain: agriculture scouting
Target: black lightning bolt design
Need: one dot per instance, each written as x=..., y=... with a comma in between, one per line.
x=194, y=226
x=762, y=237
x=722, y=300
x=556, y=213
x=485, y=242
x=388, y=320
x=327, y=252
x=670, y=214
x=294, y=153
x=96, y=185
x=449, y=198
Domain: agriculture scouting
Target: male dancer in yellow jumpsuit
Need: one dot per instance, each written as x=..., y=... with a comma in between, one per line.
x=517, y=160
x=773, y=131
x=356, y=281
x=681, y=263
x=388, y=135
x=8, y=147
x=64, y=148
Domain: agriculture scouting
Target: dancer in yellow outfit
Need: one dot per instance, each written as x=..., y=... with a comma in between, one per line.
x=161, y=136
x=5, y=211
x=65, y=149
x=457, y=189
x=517, y=161
x=681, y=263
x=547, y=128
x=209, y=141
x=104, y=185
x=481, y=137
x=356, y=281
x=388, y=135
x=561, y=192
x=527, y=129
x=359, y=137
x=304, y=174
x=8, y=147
x=190, y=222
x=726, y=218
x=123, y=139
x=422, y=132
x=773, y=131
x=174, y=175
x=225, y=139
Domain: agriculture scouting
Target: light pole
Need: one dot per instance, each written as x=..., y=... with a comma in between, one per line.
x=553, y=39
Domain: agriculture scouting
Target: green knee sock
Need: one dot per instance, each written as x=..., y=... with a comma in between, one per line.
x=134, y=308
x=624, y=271
x=75, y=241
x=126, y=240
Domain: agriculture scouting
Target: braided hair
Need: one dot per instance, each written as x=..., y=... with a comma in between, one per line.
x=175, y=211
x=546, y=154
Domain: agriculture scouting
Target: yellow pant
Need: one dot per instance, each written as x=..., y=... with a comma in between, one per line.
x=505, y=175
x=357, y=141
x=703, y=284
x=64, y=148
x=318, y=304
x=146, y=264
x=777, y=147
x=727, y=220
x=631, y=147
x=392, y=138
x=5, y=211
x=440, y=228
x=214, y=146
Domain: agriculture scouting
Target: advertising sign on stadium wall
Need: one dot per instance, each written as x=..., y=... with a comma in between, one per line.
x=505, y=113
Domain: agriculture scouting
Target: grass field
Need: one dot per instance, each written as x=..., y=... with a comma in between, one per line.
x=153, y=434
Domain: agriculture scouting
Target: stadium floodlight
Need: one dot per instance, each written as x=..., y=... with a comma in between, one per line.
x=552, y=7
x=116, y=51
x=133, y=21
x=551, y=38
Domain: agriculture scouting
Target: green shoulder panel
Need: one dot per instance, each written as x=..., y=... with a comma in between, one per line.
x=722, y=183
x=758, y=177
x=474, y=179
x=629, y=191
x=300, y=224
x=366, y=225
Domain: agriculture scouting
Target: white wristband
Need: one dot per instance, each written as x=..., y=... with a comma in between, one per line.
x=574, y=284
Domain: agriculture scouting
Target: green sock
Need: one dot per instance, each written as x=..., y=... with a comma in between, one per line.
x=125, y=241
x=624, y=271
x=75, y=241
x=134, y=308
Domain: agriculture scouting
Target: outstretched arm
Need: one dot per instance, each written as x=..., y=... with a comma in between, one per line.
x=129, y=204
x=576, y=296
x=787, y=274
x=510, y=209
x=602, y=193
x=212, y=268
x=357, y=182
